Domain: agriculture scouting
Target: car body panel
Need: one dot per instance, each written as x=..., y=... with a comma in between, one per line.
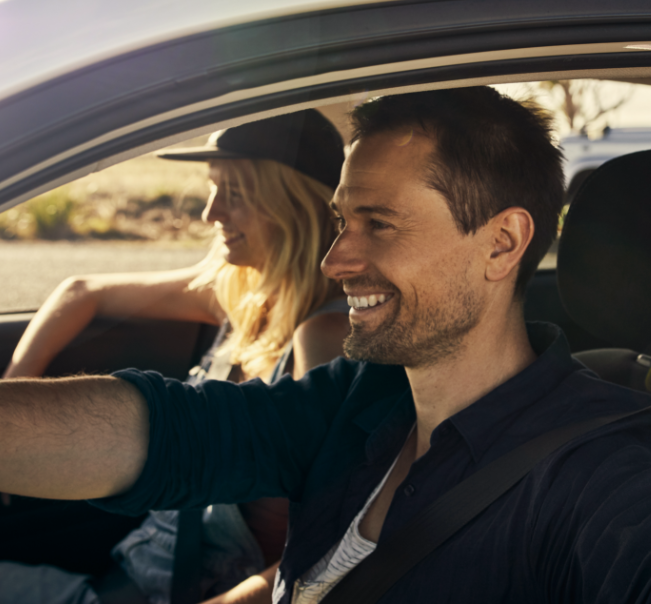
x=41, y=40
x=585, y=154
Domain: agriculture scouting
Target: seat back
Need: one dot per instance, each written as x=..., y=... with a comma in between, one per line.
x=604, y=268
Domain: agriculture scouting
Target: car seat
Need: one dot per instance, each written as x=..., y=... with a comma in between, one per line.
x=604, y=268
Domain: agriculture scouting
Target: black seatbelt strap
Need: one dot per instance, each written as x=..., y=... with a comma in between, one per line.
x=186, y=577
x=116, y=587
x=394, y=557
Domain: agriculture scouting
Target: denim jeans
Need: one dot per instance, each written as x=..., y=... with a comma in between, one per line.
x=25, y=584
x=230, y=555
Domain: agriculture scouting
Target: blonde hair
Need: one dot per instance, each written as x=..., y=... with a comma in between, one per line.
x=264, y=308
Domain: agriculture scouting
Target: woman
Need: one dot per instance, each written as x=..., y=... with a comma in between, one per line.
x=271, y=182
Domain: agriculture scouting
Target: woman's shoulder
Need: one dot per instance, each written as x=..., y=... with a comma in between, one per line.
x=329, y=322
x=319, y=338
x=336, y=305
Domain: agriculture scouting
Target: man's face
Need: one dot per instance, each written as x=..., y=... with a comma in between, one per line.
x=414, y=281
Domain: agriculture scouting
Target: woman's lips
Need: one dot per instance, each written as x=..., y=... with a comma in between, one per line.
x=230, y=239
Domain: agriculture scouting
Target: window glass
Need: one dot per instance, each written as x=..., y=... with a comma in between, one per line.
x=141, y=215
x=596, y=121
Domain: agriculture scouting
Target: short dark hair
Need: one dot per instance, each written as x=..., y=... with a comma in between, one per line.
x=490, y=153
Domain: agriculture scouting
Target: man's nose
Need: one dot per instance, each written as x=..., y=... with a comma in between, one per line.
x=216, y=209
x=346, y=258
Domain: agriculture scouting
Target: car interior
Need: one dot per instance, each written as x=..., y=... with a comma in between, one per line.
x=601, y=306
x=603, y=259
x=599, y=294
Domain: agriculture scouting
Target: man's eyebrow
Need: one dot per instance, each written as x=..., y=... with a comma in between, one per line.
x=382, y=210
x=374, y=209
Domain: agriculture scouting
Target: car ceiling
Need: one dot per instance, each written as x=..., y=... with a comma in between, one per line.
x=81, y=121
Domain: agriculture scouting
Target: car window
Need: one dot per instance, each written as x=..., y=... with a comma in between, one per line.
x=144, y=214
x=141, y=215
x=596, y=120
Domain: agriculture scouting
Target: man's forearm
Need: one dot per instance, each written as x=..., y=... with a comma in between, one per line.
x=73, y=438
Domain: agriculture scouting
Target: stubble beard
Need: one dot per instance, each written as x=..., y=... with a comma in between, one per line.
x=420, y=337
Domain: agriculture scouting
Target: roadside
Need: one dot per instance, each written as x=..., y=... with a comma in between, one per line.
x=29, y=271
x=144, y=199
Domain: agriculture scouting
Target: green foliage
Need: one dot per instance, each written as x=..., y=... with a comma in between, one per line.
x=52, y=214
x=143, y=199
x=9, y=224
x=561, y=218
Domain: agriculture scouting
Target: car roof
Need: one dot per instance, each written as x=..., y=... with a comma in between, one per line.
x=91, y=84
x=40, y=40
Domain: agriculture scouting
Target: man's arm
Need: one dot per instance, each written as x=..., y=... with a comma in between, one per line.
x=73, y=438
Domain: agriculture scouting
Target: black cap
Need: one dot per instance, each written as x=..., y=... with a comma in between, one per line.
x=305, y=141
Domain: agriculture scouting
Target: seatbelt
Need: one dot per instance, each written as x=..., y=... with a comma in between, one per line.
x=186, y=577
x=116, y=587
x=398, y=554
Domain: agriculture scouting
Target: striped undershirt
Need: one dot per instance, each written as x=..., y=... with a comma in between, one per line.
x=313, y=586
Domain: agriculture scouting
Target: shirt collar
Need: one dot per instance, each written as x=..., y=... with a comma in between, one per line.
x=481, y=423
x=388, y=420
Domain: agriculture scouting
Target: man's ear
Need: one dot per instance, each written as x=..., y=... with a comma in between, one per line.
x=511, y=232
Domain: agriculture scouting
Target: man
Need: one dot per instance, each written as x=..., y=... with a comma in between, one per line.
x=447, y=203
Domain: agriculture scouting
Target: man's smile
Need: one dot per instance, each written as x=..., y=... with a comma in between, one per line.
x=368, y=300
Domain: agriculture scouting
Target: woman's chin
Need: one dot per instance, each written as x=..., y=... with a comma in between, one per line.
x=238, y=259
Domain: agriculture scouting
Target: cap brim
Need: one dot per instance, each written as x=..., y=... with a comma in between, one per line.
x=198, y=154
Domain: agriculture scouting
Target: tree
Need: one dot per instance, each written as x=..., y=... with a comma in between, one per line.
x=581, y=102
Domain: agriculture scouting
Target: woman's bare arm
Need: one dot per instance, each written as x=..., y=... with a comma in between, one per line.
x=319, y=340
x=72, y=438
x=76, y=301
x=254, y=590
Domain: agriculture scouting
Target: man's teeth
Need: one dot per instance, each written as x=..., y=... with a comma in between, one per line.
x=364, y=302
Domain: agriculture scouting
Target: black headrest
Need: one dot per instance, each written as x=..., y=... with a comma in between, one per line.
x=604, y=255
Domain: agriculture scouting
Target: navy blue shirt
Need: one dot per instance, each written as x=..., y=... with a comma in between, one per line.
x=576, y=529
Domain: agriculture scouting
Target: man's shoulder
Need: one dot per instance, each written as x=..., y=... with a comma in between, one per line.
x=590, y=396
x=621, y=447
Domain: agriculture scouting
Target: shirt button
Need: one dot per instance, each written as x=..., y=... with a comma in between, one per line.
x=409, y=490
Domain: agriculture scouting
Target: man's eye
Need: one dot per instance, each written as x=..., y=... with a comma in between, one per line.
x=376, y=225
x=340, y=222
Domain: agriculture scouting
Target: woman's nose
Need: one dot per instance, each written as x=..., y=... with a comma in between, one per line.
x=216, y=209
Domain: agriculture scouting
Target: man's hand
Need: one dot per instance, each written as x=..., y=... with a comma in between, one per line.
x=73, y=438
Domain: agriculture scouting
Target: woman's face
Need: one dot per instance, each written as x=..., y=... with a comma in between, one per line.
x=247, y=232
